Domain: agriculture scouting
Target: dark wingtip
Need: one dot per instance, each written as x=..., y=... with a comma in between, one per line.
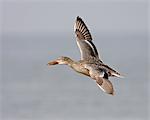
x=81, y=27
x=79, y=18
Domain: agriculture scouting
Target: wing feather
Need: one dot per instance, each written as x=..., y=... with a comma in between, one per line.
x=105, y=85
x=84, y=40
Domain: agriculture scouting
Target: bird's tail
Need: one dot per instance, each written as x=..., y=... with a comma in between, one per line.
x=112, y=72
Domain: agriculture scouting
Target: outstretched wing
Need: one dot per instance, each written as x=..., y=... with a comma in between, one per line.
x=84, y=40
x=105, y=85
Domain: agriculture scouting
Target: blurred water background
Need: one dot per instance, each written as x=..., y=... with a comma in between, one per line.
x=35, y=32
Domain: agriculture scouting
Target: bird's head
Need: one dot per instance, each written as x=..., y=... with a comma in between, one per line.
x=61, y=60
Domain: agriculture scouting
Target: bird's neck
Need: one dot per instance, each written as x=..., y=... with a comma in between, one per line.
x=70, y=62
x=73, y=64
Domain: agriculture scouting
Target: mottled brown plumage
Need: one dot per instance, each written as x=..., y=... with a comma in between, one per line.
x=90, y=64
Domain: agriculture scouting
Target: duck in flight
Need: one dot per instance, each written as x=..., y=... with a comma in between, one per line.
x=90, y=64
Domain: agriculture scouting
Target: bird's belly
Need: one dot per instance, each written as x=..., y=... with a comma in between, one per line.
x=82, y=70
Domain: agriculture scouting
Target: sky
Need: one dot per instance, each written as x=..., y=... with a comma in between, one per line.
x=38, y=16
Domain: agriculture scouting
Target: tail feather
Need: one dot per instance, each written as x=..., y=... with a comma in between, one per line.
x=112, y=72
x=116, y=74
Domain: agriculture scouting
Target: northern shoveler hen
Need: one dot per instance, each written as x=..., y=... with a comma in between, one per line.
x=90, y=64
